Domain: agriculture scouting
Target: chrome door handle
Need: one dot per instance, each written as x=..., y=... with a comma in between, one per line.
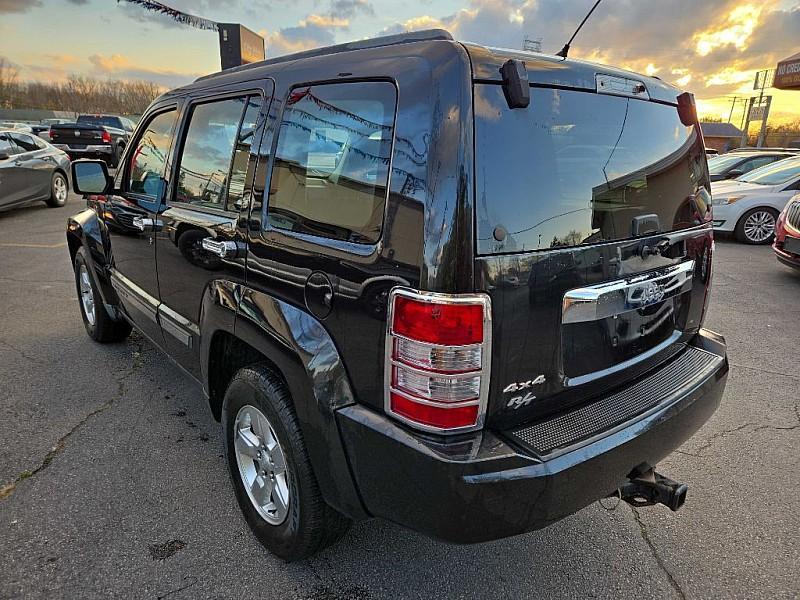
x=221, y=248
x=145, y=224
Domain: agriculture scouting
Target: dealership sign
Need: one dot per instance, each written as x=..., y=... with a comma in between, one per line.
x=238, y=45
x=787, y=73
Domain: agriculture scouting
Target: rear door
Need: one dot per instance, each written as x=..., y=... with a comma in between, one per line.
x=593, y=241
x=215, y=164
x=35, y=168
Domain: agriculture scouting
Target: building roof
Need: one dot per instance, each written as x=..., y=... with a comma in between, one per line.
x=725, y=130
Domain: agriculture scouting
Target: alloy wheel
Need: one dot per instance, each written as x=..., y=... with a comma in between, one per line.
x=60, y=189
x=262, y=465
x=87, y=295
x=759, y=226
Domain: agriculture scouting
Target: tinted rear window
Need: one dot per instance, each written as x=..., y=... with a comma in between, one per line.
x=580, y=168
x=104, y=121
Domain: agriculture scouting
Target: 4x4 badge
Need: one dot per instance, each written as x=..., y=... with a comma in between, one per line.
x=523, y=400
x=523, y=385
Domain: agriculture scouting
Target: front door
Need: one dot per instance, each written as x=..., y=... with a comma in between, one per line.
x=131, y=214
x=201, y=250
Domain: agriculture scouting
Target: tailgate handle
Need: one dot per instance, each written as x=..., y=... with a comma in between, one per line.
x=605, y=300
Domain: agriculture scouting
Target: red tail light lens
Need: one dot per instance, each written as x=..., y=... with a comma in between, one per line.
x=438, y=350
x=434, y=416
x=106, y=137
x=436, y=323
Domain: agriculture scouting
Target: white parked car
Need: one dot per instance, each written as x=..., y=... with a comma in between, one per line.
x=13, y=126
x=749, y=205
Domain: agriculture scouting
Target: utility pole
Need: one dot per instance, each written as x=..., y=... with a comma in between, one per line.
x=733, y=104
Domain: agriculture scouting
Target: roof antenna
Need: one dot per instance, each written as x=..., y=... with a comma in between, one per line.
x=565, y=50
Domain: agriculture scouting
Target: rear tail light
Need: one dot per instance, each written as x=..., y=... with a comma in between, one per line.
x=438, y=351
x=106, y=137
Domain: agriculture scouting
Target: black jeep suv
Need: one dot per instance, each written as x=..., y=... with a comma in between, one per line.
x=455, y=287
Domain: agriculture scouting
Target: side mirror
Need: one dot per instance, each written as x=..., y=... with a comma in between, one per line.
x=4, y=155
x=90, y=177
x=734, y=173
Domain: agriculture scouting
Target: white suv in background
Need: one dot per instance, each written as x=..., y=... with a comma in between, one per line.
x=748, y=206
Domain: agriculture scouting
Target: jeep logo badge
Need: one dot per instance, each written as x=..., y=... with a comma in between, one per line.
x=652, y=292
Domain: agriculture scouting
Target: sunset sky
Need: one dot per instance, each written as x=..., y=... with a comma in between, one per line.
x=710, y=47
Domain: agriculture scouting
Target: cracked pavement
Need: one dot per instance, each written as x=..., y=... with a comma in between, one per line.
x=112, y=481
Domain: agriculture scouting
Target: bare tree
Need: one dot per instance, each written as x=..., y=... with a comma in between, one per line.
x=76, y=94
x=9, y=86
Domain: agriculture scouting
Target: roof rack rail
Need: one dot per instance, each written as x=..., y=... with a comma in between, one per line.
x=377, y=42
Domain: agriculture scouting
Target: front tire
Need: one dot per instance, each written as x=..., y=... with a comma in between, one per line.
x=270, y=469
x=98, y=323
x=757, y=226
x=59, y=190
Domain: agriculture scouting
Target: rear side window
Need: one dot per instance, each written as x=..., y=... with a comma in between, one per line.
x=331, y=168
x=207, y=150
x=25, y=142
x=150, y=155
x=241, y=153
x=6, y=146
x=580, y=168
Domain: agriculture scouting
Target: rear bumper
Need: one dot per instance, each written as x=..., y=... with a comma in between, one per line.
x=490, y=485
x=89, y=150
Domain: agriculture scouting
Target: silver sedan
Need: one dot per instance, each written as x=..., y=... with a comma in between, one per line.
x=31, y=170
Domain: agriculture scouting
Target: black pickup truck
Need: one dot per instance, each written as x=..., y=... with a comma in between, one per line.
x=455, y=287
x=93, y=136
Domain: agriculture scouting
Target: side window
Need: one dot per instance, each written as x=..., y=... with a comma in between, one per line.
x=331, y=168
x=754, y=163
x=150, y=155
x=241, y=154
x=7, y=146
x=24, y=142
x=205, y=159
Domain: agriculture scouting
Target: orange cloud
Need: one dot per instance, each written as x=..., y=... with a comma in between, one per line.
x=325, y=21
x=734, y=31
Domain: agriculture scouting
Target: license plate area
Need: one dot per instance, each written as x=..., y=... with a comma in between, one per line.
x=792, y=245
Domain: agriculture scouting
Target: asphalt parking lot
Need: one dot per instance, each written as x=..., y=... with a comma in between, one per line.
x=112, y=481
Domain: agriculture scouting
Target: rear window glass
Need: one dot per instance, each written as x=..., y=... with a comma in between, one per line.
x=98, y=120
x=775, y=173
x=581, y=168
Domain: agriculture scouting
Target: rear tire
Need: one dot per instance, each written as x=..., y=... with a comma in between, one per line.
x=757, y=226
x=59, y=191
x=98, y=323
x=116, y=156
x=262, y=431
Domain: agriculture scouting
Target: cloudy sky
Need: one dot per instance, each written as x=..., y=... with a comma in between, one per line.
x=710, y=47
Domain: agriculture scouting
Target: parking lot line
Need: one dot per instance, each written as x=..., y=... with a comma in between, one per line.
x=13, y=245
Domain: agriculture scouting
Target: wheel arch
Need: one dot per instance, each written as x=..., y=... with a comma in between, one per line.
x=85, y=230
x=297, y=348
